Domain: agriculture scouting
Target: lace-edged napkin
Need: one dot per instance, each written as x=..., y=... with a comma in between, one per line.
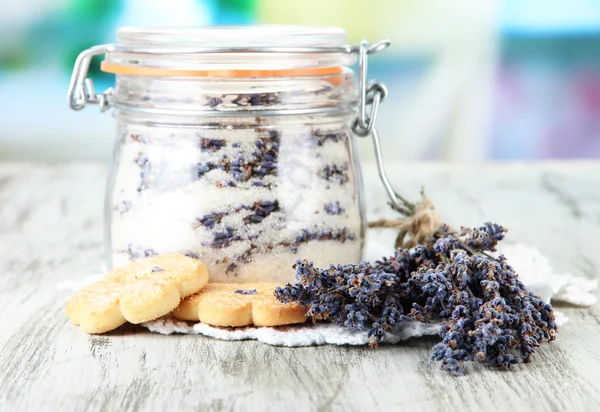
x=533, y=268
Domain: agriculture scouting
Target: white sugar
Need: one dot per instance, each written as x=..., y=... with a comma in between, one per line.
x=166, y=183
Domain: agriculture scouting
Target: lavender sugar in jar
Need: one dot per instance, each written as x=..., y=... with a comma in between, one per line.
x=234, y=146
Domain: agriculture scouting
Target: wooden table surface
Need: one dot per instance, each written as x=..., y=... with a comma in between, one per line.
x=51, y=232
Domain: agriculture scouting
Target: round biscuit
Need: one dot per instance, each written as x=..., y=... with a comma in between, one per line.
x=188, y=308
x=138, y=292
x=95, y=308
x=219, y=304
x=149, y=299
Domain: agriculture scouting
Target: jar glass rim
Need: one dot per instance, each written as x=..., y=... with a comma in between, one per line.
x=256, y=36
x=229, y=51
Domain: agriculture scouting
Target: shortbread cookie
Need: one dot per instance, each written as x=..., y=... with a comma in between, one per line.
x=137, y=292
x=239, y=304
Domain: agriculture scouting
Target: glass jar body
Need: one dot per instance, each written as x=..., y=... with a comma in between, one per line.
x=246, y=175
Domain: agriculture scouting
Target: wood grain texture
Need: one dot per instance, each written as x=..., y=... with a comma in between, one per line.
x=51, y=231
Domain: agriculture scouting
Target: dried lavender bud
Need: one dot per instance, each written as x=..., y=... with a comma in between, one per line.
x=261, y=210
x=274, y=135
x=204, y=168
x=157, y=269
x=210, y=220
x=484, y=238
x=263, y=162
x=335, y=173
x=144, y=165
x=211, y=145
x=341, y=235
x=224, y=239
x=487, y=314
x=256, y=99
x=320, y=138
x=133, y=255
x=123, y=207
x=246, y=292
x=214, y=101
x=334, y=208
x=192, y=255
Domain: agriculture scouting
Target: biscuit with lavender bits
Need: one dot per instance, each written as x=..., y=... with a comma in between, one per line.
x=239, y=304
x=137, y=292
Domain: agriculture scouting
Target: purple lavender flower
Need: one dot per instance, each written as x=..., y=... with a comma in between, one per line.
x=335, y=173
x=484, y=238
x=274, y=136
x=321, y=138
x=334, y=208
x=224, y=239
x=144, y=164
x=204, y=168
x=260, y=210
x=133, y=254
x=214, y=101
x=487, y=314
x=340, y=235
x=211, y=145
x=260, y=164
x=256, y=99
x=211, y=219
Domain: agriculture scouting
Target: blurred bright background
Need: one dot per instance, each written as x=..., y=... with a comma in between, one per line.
x=469, y=80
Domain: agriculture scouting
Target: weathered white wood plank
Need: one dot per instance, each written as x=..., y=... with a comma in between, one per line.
x=51, y=231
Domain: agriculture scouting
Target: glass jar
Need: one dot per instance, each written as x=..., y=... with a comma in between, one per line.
x=234, y=146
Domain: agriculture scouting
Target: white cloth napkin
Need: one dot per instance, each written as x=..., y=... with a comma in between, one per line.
x=533, y=268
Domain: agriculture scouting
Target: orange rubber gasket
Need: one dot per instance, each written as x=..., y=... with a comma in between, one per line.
x=153, y=71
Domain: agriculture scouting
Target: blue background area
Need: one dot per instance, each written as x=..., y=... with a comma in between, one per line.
x=544, y=83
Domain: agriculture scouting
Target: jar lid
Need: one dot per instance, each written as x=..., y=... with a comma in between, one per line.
x=229, y=51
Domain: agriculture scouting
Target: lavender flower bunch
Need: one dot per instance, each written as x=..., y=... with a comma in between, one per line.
x=486, y=313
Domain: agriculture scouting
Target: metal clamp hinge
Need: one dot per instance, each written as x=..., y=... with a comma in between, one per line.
x=81, y=89
x=371, y=94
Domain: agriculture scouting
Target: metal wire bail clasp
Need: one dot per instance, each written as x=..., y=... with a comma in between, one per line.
x=81, y=89
x=370, y=95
